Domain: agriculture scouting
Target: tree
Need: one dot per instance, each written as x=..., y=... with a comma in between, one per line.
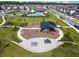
x=15, y=28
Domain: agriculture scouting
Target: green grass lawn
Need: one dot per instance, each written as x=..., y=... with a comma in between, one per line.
x=72, y=33
x=67, y=50
x=1, y=20
x=18, y=20
x=14, y=50
x=61, y=51
x=7, y=34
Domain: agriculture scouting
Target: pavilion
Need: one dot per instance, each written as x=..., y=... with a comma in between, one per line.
x=47, y=25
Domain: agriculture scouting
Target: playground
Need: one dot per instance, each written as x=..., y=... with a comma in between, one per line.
x=32, y=33
x=41, y=38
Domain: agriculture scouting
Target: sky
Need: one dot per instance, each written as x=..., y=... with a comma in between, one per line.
x=61, y=1
x=39, y=0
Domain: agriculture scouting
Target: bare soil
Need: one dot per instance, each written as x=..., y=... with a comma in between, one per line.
x=36, y=32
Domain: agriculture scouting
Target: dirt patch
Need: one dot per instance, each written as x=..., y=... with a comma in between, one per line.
x=32, y=33
x=34, y=24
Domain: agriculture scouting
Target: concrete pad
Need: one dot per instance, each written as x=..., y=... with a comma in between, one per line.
x=41, y=47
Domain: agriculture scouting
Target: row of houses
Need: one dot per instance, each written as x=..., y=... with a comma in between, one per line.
x=73, y=11
x=15, y=7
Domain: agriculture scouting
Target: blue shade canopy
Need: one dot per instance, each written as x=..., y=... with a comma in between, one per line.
x=46, y=25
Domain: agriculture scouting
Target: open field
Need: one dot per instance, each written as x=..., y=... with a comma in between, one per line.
x=8, y=34
x=74, y=36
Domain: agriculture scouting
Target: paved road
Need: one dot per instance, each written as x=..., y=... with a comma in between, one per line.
x=4, y=14
x=67, y=20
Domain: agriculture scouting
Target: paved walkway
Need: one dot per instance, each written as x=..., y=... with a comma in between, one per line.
x=3, y=20
x=63, y=26
x=41, y=46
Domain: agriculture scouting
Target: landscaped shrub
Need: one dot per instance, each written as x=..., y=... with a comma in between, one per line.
x=23, y=24
x=15, y=28
x=8, y=23
x=67, y=45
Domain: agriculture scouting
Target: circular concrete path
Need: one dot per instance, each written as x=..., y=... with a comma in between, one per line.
x=3, y=20
x=40, y=45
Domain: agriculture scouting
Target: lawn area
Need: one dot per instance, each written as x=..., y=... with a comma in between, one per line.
x=18, y=20
x=68, y=50
x=69, y=32
x=8, y=34
x=61, y=51
x=14, y=50
x=1, y=20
